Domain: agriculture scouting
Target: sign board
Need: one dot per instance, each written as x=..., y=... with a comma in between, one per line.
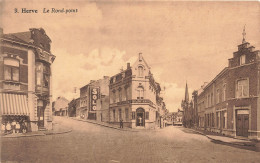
x=94, y=95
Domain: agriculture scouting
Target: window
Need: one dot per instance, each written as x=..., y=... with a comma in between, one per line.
x=11, y=69
x=114, y=115
x=208, y=100
x=120, y=114
x=242, y=59
x=120, y=94
x=242, y=88
x=126, y=114
x=224, y=119
x=147, y=115
x=126, y=93
x=217, y=96
x=218, y=119
x=133, y=115
x=224, y=92
x=114, y=96
x=212, y=103
x=140, y=71
x=140, y=92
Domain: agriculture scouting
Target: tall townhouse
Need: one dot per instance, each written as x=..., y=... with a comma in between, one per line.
x=26, y=78
x=134, y=97
x=230, y=103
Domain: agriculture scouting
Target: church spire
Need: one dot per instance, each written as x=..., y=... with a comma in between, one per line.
x=186, y=93
x=244, y=34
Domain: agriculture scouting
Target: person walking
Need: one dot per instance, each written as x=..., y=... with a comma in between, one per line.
x=17, y=127
x=3, y=128
x=8, y=127
x=121, y=123
x=13, y=126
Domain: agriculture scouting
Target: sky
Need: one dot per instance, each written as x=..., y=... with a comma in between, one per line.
x=181, y=41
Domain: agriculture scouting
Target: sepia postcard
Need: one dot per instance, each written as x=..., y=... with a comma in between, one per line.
x=129, y=81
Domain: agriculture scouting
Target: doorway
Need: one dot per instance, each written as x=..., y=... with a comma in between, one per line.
x=242, y=125
x=40, y=111
x=140, y=119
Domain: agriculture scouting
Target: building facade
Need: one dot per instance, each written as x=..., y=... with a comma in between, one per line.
x=94, y=100
x=230, y=103
x=135, y=97
x=61, y=106
x=26, y=78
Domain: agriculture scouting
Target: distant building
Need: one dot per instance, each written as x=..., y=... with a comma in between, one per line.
x=230, y=103
x=94, y=100
x=61, y=106
x=73, y=106
x=26, y=78
x=177, y=117
x=135, y=97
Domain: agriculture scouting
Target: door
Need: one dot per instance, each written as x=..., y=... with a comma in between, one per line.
x=140, y=119
x=242, y=125
x=40, y=111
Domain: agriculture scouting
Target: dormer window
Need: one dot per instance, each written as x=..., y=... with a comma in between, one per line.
x=140, y=71
x=242, y=59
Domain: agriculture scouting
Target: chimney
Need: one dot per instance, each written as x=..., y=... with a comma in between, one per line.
x=140, y=56
x=128, y=65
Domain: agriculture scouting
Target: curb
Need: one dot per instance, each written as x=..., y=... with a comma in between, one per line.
x=104, y=125
x=217, y=140
x=43, y=134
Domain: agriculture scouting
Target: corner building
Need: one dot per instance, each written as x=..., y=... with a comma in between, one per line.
x=230, y=103
x=26, y=78
x=134, y=97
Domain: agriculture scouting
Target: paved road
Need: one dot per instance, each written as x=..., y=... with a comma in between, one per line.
x=92, y=143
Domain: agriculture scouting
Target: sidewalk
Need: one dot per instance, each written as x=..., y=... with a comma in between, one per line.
x=225, y=139
x=106, y=125
x=37, y=133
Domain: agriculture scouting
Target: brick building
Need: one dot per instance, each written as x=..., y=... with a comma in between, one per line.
x=230, y=103
x=135, y=97
x=26, y=78
x=61, y=106
x=94, y=100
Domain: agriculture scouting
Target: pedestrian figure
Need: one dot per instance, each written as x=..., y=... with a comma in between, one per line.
x=8, y=127
x=24, y=128
x=121, y=123
x=3, y=128
x=13, y=126
x=17, y=127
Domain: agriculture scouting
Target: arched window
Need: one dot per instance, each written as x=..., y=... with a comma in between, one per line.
x=140, y=92
x=140, y=71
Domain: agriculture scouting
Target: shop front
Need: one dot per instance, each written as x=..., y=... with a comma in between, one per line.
x=14, y=113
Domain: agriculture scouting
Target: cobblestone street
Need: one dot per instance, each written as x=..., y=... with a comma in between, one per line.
x=92, y=143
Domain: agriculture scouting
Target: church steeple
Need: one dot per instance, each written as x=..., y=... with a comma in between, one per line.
x=186, y=93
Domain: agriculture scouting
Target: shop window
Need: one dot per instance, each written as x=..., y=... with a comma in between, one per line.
x=242, y=59
x=11, y=69
x=147, y=115
x=242, y=88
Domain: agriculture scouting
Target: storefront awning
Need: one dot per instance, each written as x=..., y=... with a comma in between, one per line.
x=13, y=104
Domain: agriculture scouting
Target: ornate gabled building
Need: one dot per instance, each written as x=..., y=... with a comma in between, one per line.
x=26, y=78
x=230, y=103
x=134, y=97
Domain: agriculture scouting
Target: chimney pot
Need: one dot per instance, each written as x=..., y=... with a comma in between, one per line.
x=128, y=65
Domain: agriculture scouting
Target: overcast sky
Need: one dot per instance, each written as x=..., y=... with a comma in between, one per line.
x=181, y=41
